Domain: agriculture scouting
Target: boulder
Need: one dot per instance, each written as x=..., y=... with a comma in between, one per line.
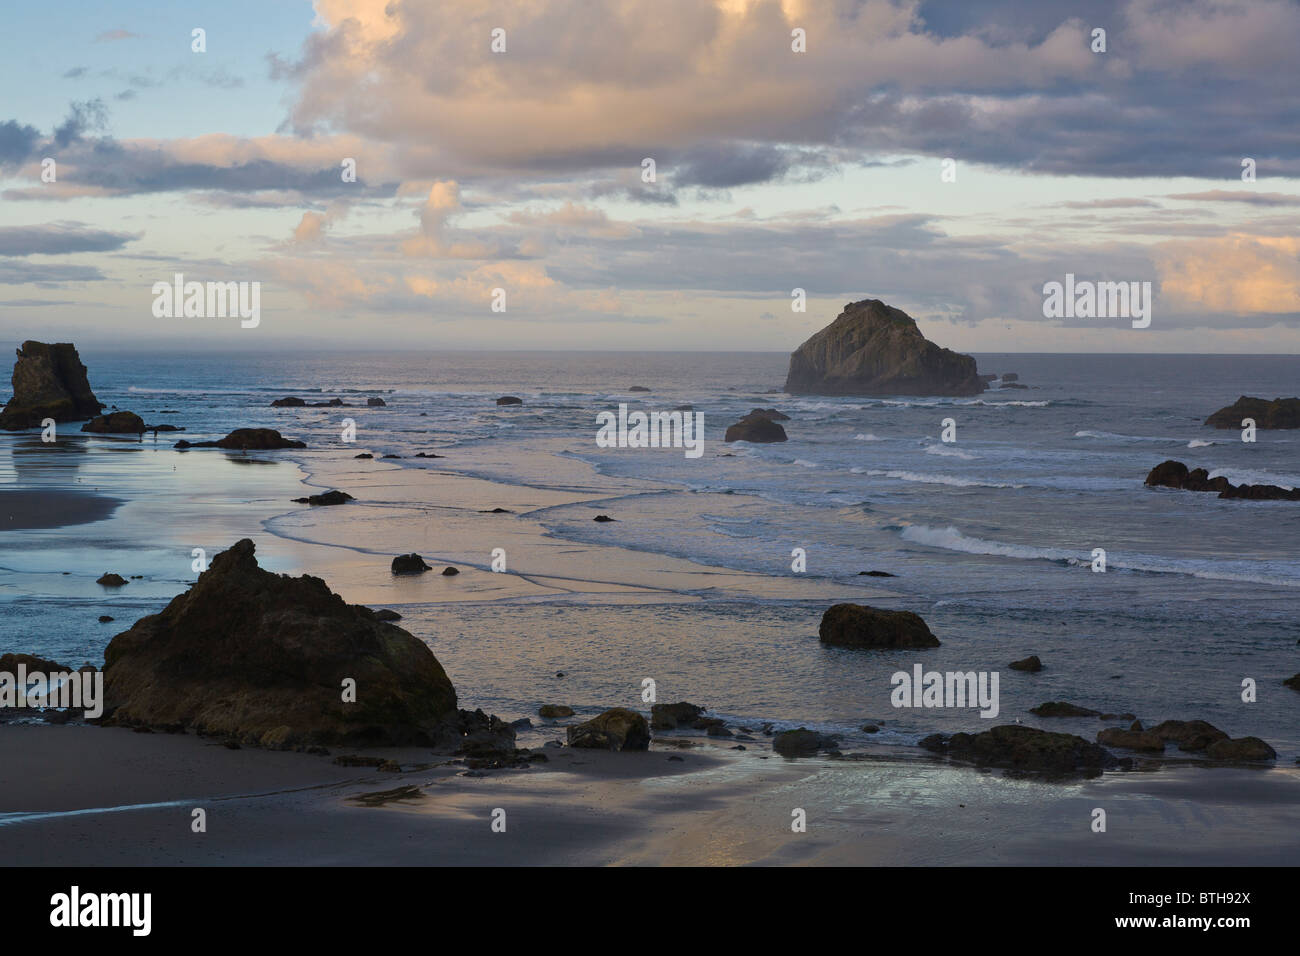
x=247, y=439
x=121, y=423
x=875, y=349
x=669, y=716
x=1292, y=682
x=49, y=381
x=1240, y=748
x=1059, y=708
x=1189, y=735
x=1174, y=474
x=409, y=564
x=450, y=572
x=1010, y=377
x=1031, y=664
x=510, y=400
x=1027, y=749
x=111, y=580
x=335, y=497
x=638, y=388
x=753, y=428
x=1130, y=739
x=771, y=414
x=602, y=519
x=802, y=742
x=554, y=710
x=1279, y=413
x=294, y=402
x=857, y=625
x=616, y=729
x=876, y=574
x=376, y=403
x=263, y=658
x=387, y=615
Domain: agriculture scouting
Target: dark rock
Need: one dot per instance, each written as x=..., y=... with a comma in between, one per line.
x=616, y=729
x=1190, y=735
x=1130, y=739
x=771, y=414
x=1279, y=413
x=294, y=402
x=117, y=423
x=1060, y=708
x=376, y=403
x=1010, y=377
x=876, y=574
x=757, y=430
x=683, y=408
x=870, y=729
x=669, y=716
x=329, y=498
x=1292, y=682
x=509, y=400
x=409, y=564
x=364, y=454
x=163, y=428
x=802, y=742
x=104, y=618
x=111, y=580
x=1240, y=748
x=1013, y=385
x=49, y=381
x=554, y=711
x=857, y=625
x=247, y=439
x=1030, y=663
x=717, y=730
x=988, y=378
x=602, y=518
x=497, y=511
x=1174, y=474
x=1027, y=749
x=875, y=349
x=638, y=388
x=424, y=454
x=392, y=456
x=523, y=723
x=387, y=615
x=263, y=657
x=450, y=572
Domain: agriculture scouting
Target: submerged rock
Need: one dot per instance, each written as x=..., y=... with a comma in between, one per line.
x=409, y=564
x=603, y=519
x=669, y=716
x=858, y=625
x=1279, y=413
x=755, y=428
x=376, y=403
x=121, y=423
x=554, y=710
x=802, y=742
x=266, y=658
x=295, y=402
x=335, y=497
x=1060, y=708
x=876, y=574
x=111, y=580
x=450, y=572
x=875, y=349
x=49, y=381
x=1031, y=664
x=1292, y=682
x=1130, y=739
x=247, y=439
x=616, y=729
x=510, y=400
x=1016, y=747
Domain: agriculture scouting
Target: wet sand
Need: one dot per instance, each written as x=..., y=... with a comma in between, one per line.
x=714, y=807
x=29, y=510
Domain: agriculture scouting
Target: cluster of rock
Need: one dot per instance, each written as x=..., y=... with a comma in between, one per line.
x=292, y=401
x=246, y=439
x=49, y=381
x=1174, y=474
x=1024, y=749
x=1279, y=413
x=875, y=349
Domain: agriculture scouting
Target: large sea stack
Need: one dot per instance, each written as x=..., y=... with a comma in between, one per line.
x=264, y=659
x=49, y=382
x=875, y=349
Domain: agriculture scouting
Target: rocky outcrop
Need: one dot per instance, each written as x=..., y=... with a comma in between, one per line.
x=554, y=711
x=857, y=625
x=1131, y=739
x=49, y=381
x=771, y=414
x=267, y=659
x=802, y=742
x=1174, y=474
x=409, y=564
x=755, y=427
x=1279, y=413
x=376, y=403
x=294, y=402
x=1189, y=735
x=1026, y=749
x=1240, y=748
x=510, y=400
x=875, y=349
x=616, y=729
x=120, y=423
x=246, y=439
x=1060, y=708
x=670, y=716
x=111, y=580
x=1292, y=682
x=1031, y=664
x=335, y=497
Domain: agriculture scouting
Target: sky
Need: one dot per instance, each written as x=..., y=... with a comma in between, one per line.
x=949, y=158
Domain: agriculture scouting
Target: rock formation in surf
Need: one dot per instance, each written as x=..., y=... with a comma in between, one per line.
x=1279, y=413
x=266, y=659
x=1174, y=474
x=49, y=382
x=875, y=349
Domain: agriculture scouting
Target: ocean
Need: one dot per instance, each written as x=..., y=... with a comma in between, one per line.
x=991, y=537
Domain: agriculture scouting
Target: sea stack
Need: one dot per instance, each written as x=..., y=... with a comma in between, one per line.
x=874, y=349
x=49, y=382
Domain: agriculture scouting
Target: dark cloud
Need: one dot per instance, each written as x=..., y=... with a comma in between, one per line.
x=82, y=117
x=46, y=276
x=1250, y=198
x=59, y=239
x=17, y=141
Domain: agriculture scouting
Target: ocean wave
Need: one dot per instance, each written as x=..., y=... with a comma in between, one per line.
x=947, y=452
x=1198, y=443
x=929, y=479
x=951, y=539
x=805, y=463
x=866, y=436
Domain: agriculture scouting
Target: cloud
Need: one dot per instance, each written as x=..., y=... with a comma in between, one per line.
x=1251, y=198
x=48, y=276
x=59, y=239
x=1233, y=274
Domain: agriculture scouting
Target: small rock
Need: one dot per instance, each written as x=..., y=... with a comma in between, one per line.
x=104, y=618
x=111, y=580
x=554, y=710
x=509, y=400
x=602, y=518
x=1031, y=664
x=409, y=564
